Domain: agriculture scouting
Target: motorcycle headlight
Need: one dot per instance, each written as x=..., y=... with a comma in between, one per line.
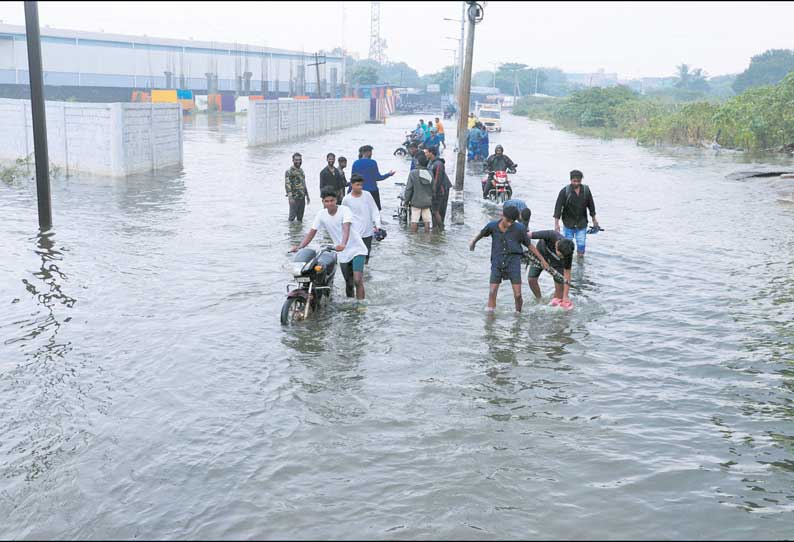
x=297, y=268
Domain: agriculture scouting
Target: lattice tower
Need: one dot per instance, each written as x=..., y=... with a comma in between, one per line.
x=375, y=48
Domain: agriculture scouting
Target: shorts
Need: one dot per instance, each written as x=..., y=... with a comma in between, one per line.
x=580, y=234
x=508, y=267
x=535, y=270
x=423, y=213
x=358, y=263
x=441, y=137
x=368, y=244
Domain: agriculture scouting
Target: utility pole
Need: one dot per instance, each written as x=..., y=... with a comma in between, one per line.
x=316, y=64
x=460, y=43
x=474, y=16
x=536, y=80
x=39, y=115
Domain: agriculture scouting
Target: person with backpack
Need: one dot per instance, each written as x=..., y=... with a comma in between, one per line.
x=441, y=187
x=419, y=194
x=572, y=205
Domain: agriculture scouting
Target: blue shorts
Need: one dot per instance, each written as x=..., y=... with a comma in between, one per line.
x=441, y=137
x=506, y=267
x=579, y=234
x=358, y=263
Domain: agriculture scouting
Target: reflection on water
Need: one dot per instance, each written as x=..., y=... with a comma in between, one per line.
x=660, y=404
x=44, y=390
x=47, y=291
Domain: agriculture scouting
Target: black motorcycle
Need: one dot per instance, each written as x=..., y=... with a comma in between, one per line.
x=409, y=138
x=314, y=274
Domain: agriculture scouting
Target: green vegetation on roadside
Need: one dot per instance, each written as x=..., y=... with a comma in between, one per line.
x=759, y=119
x=21, y=168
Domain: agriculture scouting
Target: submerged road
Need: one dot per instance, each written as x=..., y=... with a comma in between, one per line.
x=148, y=390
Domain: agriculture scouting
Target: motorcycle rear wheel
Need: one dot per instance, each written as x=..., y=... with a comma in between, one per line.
x=292, y=310
x=400, y=152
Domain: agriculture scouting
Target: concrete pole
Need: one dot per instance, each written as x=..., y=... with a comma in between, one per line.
x=39, y=115
x=460, y=44
x=463, y=114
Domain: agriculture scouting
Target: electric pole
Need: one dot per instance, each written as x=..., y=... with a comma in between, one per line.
x=317, y=64
x=39, y=115
x=474, y=15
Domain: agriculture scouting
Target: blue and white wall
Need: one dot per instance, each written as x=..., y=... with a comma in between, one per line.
x=73, y=58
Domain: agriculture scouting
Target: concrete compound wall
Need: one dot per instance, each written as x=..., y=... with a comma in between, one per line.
x=271, y=121
x=115, y=139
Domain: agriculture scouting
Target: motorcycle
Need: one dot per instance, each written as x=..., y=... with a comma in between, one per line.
x=313, y=272
x=403, y=212
x=500, y=190
x=410, y=137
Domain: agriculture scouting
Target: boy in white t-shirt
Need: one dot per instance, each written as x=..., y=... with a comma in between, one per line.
x=337, y=221
x=366, y=216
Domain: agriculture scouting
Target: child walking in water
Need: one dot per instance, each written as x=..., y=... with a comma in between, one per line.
x=507, y=238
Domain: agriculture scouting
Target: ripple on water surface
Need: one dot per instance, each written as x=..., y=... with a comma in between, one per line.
x=148, y=390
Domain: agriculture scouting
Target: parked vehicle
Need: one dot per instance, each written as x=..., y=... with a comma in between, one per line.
x=313, y=272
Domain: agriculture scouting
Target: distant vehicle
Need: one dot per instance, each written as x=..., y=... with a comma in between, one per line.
x=491, y=116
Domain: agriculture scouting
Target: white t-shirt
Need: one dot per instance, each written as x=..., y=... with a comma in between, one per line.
x=333, y=225
x=365, y=212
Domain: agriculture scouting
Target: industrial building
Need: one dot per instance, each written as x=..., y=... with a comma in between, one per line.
x=91, y=65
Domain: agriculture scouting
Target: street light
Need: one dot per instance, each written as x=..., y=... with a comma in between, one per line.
x=456, y=74
x=462, y=22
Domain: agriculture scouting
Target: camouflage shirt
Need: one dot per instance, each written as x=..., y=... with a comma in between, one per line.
x=295, y=183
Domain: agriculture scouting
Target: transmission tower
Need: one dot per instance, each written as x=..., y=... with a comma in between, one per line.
x=375, y=45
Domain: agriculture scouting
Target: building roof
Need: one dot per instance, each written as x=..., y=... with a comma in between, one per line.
x=230, y=48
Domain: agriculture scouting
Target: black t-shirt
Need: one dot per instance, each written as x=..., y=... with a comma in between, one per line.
x=547, y=248
x=331, y=179
x=573, y=207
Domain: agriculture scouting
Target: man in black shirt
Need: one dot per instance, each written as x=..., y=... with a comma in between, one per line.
x=330, y=178
x=342, y=161
x=558, y=252
x=498, y=161
x=572, y=205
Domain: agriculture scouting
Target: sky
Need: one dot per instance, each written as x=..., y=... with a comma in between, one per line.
x=634, y=39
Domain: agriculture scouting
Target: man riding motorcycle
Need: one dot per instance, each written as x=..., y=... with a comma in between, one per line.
x=498, y=161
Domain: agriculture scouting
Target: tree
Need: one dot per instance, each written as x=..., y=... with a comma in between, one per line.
x=508, y=73
x=768, y=68
x=444, y=78
x=363, y=74
x=482, y=79
x=555, y=83
x=399, y=73
x=693, y=80
x=682, y=76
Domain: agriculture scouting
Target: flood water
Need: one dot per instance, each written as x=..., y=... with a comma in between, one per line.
x=148, y=390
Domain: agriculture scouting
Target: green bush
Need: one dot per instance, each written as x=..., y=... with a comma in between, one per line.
x=761, y=118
